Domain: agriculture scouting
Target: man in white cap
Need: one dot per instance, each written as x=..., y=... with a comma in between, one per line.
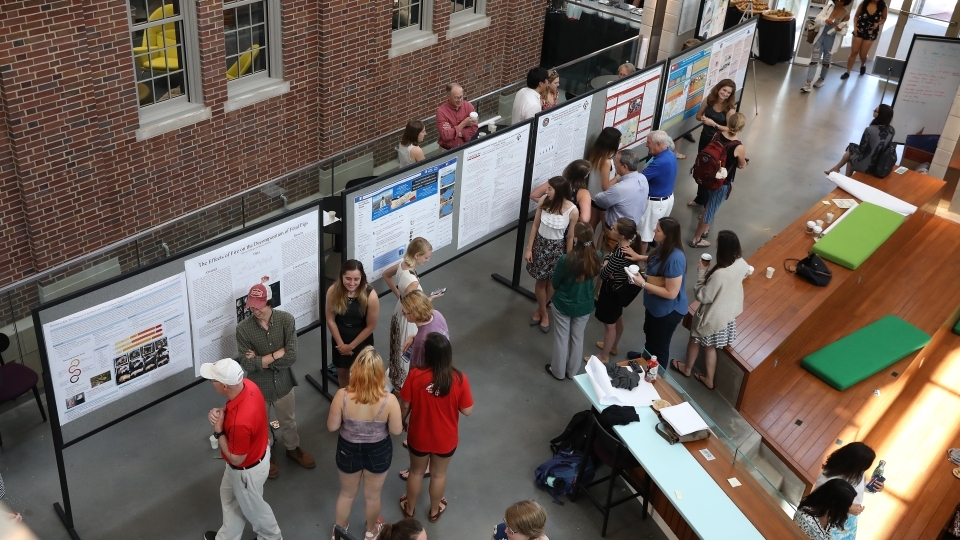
x=267, y=344
x=241, y=430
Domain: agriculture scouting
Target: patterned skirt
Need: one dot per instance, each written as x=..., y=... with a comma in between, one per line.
x=720, y=339
x=399, y=366
x=546, y=253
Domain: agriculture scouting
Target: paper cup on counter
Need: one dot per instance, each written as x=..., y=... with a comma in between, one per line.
x=770, y=271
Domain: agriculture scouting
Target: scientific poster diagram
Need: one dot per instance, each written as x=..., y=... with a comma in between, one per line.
x=561, y=138
x=492, y=184
x=686, y=79
x=630, y=108
x=114, y=349
x=714, y=14
x=730, y=56
x=386, y=221
x=284, y=258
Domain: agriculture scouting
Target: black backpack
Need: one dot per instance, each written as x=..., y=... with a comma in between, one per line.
x=574, y=437
x=885, y=159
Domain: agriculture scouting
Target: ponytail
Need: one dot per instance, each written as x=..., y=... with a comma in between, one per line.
x=405, y=529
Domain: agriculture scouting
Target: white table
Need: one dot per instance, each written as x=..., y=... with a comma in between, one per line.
x=704, y=506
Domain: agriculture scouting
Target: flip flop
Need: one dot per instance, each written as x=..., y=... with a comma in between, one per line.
x=681, y=156
x=675, y=365
x=403, y=506
x=443, y=508
x=407, y=473
x=699, y=377
x=698, y=245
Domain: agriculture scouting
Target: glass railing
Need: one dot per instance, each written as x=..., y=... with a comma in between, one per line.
x=596, y=70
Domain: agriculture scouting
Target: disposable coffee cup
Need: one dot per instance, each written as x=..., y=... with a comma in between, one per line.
x=820, y=224
x=634, y=269
x=492, y=128
x=706, y=257
x=817, y=230
x=214, y=443
x=474, y=115
x=749, y=270
x=810, y=226
x=770, y=271
x=829, y=217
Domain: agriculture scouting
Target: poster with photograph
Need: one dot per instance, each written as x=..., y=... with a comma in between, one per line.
x=561, y=138
x=630, y=108
x=417, y=205
x=284, y=258
x=103, y=353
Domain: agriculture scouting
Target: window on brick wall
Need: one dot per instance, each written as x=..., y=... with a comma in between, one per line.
x=467, y=16
x=251, y=35
x=412, y=25
x=165, y=61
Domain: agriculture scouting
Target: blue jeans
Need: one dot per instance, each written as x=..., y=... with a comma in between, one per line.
x=821, y=54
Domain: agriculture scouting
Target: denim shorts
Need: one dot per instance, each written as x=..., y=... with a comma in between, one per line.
x=371, y=457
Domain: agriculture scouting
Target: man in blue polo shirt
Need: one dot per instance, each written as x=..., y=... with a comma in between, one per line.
x=661, y=173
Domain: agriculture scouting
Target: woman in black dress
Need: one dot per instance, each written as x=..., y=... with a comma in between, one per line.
x=352, y=310
x=869, y=20
x=714, y=112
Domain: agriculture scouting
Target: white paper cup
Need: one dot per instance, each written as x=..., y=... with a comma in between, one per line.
x=492, y=128
x=214, y=443
x=749, y=270
x=820, y=224
x=810, y=226
x=770, y=271
x=474, y=115
x=817, y=230
x=634, y=269
x=706, y=257
x=829, y=217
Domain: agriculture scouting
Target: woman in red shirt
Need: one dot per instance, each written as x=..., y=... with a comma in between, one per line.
x=431, y=401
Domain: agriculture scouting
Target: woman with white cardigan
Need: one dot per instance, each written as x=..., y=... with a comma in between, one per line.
x=720, y=293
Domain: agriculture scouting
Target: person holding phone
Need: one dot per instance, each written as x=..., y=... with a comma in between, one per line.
x=850, y=463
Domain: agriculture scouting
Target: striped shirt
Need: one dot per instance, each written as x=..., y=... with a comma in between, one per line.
x=278, y=379
x=613, y=270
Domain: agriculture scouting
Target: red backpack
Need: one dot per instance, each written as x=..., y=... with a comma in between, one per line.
x=709, y=161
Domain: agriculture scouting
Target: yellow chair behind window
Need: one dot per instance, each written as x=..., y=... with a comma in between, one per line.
x=155, y=41
x=243, y=63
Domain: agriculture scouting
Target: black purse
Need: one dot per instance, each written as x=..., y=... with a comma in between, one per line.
x=811, y=268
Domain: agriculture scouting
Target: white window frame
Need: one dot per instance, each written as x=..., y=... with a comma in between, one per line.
x=266, y=84
x=182, y=110
x=466, y=21
x=410, y=39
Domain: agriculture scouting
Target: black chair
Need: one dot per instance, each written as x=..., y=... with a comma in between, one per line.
x=16, y=380
x=611, y=451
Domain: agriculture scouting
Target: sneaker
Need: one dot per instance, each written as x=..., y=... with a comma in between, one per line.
x=378, y=527
x=302, y=458
x=845, y=76
x=819, y=83
x=274, y=471
x=805, y=88
x=210, y=535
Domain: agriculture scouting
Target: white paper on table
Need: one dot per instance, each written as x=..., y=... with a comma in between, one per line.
x=845, y=203
x=872, y=195
x=641, y=396
x=683, y=419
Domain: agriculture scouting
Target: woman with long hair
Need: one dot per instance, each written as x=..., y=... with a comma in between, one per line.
x=715, y=112
x=573, y=301
x=720, y=293
x=402, y=279
x=550, y=237
x=879, y=134
x=432, y=399
x=849, y=463
x=524, y=520
x=736, y=159
x=409, y=151
x=352, y=310
x=825, y=509
x=551, y=92
x=600, y=156
x=871, y=14
x=576, y=172
x=664, y=290
x=405, y=529
x=616, y=292
x=830, y=23
x=366, y=415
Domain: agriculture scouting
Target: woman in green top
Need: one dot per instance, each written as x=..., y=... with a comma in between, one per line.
x=573, y=301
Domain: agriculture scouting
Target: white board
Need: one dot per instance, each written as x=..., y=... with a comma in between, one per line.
x=284, y=258
x=928, y=87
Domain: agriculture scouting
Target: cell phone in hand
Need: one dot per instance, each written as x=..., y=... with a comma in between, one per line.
x=438, y=292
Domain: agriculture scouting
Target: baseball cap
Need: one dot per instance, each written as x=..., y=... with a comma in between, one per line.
x=257, y=297
x=226, y=371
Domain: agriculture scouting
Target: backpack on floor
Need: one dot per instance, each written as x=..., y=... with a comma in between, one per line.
x=884, y=160
x=574, y=437
x=709, y=162
x=558, y=475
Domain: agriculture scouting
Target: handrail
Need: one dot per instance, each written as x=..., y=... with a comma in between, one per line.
x=605, y=49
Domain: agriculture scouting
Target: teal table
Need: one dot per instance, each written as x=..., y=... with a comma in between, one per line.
x=705, y=507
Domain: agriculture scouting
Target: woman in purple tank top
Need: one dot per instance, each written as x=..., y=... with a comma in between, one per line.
x=366, y=414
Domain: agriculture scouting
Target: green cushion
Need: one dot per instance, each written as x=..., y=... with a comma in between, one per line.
x=956, y=328
x=874, y=347
x=855, y=238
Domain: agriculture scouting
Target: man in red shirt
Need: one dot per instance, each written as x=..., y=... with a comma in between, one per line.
x=454, y=121
x=241, y=430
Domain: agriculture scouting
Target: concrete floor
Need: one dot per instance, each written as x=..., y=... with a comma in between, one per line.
x=155, y=477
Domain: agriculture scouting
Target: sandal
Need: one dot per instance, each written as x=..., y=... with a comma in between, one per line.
x=443, y=508
x=699, y=377
x=403, y=507
x=681, y=156
x=675, y=365
x=613, y=351
x=693, y=203
x=701, y=244
x=404, y=474
x=705, y=233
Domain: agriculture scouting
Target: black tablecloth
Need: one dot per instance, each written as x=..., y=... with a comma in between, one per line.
x=568, y=39
x=776, y=39
x=732, y=18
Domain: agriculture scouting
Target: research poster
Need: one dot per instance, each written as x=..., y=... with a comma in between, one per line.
x=690, y=77
x=714, y=14
x=284, y=258
x=492, y=185
x=689, y=9
x=630, y=108
x=108, y=351
x=386, y=220
x=561, y=138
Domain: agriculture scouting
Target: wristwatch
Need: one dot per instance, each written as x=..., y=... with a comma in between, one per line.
x=218, y=434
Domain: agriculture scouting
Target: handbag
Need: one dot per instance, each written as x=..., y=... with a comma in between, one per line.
x=812, y=269
x=812, y=36
x=625, y=293
x=666, y=431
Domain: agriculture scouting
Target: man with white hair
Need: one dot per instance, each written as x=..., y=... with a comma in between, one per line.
x=661, y=173
x=241, y=431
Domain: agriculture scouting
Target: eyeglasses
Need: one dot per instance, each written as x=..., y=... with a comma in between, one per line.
x=507, y=527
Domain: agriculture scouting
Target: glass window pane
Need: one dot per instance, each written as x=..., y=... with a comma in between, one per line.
x=415, y=14
x=229, y=19
x=230, y=41
x=469, y=4
x=256, y=13
x=260, y=35
x=243, y=16
x=138, y=11
x=171, y=8
x=260, y=64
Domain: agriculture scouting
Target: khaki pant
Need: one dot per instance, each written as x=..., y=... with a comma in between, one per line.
x=286, y=410
x=241, y=496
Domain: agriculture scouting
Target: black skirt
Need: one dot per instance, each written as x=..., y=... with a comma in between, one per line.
x=612, y=300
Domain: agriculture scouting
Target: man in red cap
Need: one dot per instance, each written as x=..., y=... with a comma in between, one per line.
x=241, y=430
x=267, y=344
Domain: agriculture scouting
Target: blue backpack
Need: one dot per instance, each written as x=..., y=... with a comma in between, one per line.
x=558, y=475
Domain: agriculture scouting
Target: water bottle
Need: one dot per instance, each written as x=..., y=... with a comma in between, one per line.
x=877, y=475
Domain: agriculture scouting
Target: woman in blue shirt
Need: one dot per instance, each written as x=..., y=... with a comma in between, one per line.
x=664, y=290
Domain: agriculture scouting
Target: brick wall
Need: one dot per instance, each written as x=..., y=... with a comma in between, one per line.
x=73, y=174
